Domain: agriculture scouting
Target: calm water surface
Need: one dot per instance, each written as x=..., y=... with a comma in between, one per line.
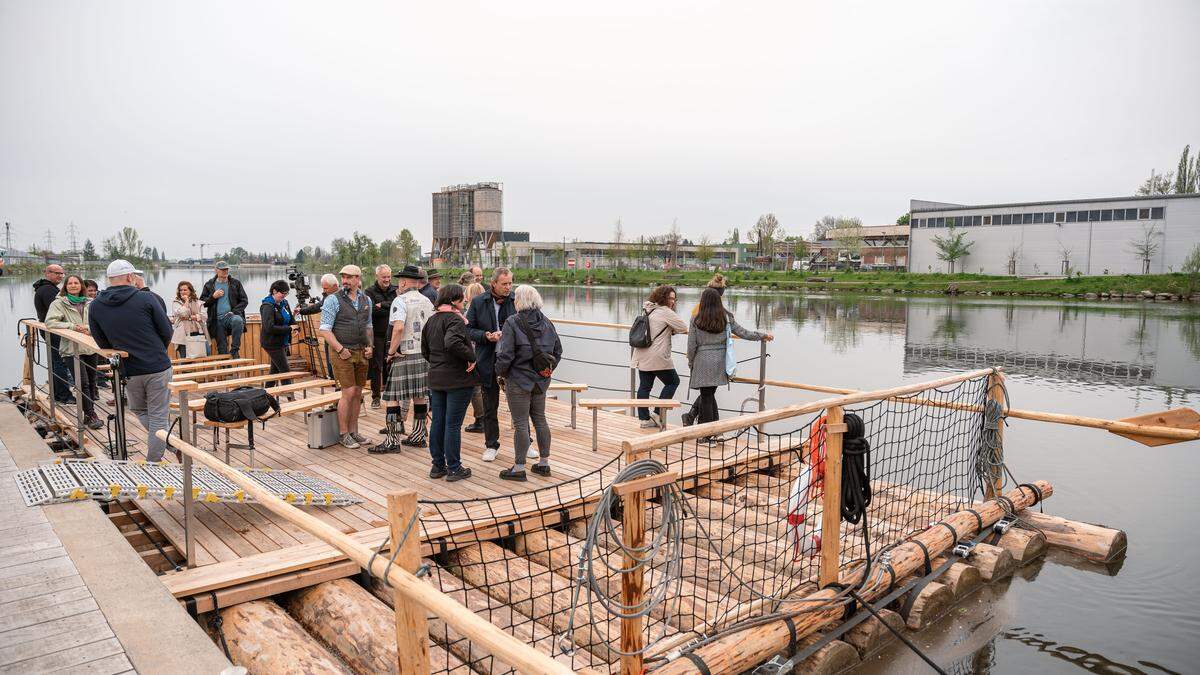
x=1096, y=359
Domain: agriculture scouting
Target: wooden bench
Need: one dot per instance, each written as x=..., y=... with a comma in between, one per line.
x=197, y=404
x=290, y=408
x=225, y=372
x=178, y=368
x=178, y=362
x=574, y=388
x=205, y=387
x=595, y=404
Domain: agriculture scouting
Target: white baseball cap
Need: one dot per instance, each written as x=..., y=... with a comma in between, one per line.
x=119, y=268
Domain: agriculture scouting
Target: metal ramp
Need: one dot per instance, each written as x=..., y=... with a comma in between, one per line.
x=64, y=480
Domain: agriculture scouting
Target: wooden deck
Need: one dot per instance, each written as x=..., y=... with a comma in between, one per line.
x=49, y=620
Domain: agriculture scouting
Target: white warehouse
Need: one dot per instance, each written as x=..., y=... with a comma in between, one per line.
x=1088, y=236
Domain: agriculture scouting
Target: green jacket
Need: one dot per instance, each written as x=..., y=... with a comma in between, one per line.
x=62, y=314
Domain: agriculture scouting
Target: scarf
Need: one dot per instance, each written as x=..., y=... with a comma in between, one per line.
x=76, y=299
x=451, y=309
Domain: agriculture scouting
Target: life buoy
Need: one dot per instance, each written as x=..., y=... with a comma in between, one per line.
x=807, y=486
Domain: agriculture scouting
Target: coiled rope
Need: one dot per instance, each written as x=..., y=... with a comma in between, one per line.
x=856, y=470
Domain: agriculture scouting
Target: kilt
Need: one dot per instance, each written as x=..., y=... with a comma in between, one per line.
x=407, y=378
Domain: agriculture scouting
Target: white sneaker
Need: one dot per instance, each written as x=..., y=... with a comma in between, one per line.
x=348, y=442
x=489, y=454
x=649, y=424
x=532, y=453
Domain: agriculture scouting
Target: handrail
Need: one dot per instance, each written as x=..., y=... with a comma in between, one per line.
x=665, y=438
x=81, y=339
x=505, y=647
x=1116, y=426
x=600, y=324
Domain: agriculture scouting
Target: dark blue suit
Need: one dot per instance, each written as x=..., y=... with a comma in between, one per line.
x=481, y=319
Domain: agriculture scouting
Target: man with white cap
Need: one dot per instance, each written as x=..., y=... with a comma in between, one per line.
x=346, y=328
x=124, y=319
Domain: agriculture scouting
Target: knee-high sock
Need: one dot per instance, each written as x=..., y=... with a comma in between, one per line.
x=418, y=429
x=395, y=423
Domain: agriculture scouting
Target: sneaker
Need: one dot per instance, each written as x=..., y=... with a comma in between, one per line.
x=375, y=403
x=458, y=474
x=514, y=474
x=648, y=424
x=474, y=428
x=541, y=469
x=360, y=438
x=688, y=418
x=532, y=453
x=437, y=472
x=384, y=448
x=489, y=454
x=94, y=422
x=349, y=442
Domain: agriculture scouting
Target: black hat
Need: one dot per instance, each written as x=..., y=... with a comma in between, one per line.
x=434, y=274
x=410, y=272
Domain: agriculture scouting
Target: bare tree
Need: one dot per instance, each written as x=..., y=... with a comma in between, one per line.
x=1065, y=255
x=619, y=250
x=1014, y=257
x=1146, y=246
x=766, y=230
x=704, y=251
x=671, y=239
x=826, y=223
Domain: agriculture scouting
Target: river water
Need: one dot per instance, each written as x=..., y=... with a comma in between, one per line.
x=1097, y=359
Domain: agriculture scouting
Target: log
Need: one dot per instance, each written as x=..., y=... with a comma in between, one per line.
x=264, y=640
x=359, y=628
x=1024, y=545
x=962, y=579
x=933, y=600
x=871, y=635
x=833, y=658
x=536, y=592
x=774, y=506
x=1094, y=542
x=993, y=562
x=745, y=649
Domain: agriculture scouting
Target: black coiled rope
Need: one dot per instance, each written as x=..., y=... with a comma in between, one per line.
x=856, y=470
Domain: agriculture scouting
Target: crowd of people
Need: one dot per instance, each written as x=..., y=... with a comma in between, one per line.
x=430, y=349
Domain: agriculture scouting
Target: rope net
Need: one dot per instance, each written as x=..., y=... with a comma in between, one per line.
x=735, y=539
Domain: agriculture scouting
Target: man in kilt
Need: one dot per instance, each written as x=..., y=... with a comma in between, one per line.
x=408, y=375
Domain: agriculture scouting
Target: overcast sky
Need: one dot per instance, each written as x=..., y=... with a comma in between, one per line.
x=260, y=123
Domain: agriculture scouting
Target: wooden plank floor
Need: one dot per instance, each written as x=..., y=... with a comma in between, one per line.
x=49, y=620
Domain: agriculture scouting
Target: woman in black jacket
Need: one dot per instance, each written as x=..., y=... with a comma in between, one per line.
x=446, y=345
x=277, y=322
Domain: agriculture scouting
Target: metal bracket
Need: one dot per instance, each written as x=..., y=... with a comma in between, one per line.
x=963, y=548
x=1004, y=524
x=776, y=666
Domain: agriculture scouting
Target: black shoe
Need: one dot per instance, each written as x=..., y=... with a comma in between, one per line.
x=540, y=469
x=514, y=474
x=688, y=418
x=458, y=474
x=413, y=444
x=437, y=472
x=94, y=423
x=384, y=448
x=474, y=428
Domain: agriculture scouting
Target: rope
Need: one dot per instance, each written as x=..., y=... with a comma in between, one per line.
x=856, y=471
x=423, y=570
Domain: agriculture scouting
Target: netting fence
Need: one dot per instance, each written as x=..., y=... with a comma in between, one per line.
x=735, y=539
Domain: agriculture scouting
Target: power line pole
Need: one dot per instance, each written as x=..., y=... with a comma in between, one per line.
x=49, y=241
x=7, y=237
x=73, y=237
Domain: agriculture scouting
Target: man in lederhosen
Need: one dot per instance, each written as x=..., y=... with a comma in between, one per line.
x=408, y=376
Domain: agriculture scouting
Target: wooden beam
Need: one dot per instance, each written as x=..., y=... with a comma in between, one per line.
x=831, y=505
x=412, y=628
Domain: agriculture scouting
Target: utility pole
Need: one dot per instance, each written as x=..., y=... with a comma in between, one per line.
x=49, y=241
x=7, y=238
x=73, y=237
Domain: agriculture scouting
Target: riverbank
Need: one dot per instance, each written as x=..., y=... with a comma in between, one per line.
x=1163, y=287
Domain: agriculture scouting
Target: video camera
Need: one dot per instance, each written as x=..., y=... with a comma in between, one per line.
x=299, y=282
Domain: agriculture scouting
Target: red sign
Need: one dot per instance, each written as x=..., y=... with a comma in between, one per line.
x=587, y=264
x=571, y=263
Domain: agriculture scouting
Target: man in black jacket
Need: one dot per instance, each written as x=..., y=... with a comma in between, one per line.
x=123, y=318
x=226, y=301
x=484, y=320
x=382, y=292
x=44, y=292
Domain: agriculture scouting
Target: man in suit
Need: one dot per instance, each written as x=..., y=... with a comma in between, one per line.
x=485, y=318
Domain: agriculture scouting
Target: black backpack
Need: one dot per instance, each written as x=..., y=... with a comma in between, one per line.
x=240, y=405
x=639, y=332
x=541, y=361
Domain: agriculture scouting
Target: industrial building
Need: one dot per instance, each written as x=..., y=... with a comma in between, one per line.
x=1074, y=236
x=466, y=219
x=879, y=247
x=607, y=255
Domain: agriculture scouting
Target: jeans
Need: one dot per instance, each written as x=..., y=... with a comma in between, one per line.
x=491, y=404
x=150, y=401
x=62, y=373
x=230, y=325
x=86, y=381
x=279, y=362
x=445, y=431
x=670, y=380
x=707, y=405
x=477, y=406
x=377, y=367
x=527, y=406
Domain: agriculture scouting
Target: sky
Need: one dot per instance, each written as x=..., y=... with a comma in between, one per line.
x=281, y=124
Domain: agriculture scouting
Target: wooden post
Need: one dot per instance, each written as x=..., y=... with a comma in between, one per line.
x=995, y=385
x=633, y=535
x=831, y=505
x=762, y=380
x=412, y=629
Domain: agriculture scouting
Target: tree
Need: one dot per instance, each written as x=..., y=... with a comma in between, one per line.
x=671, y=239
x=359, y=250
x=1157, y=184
x=504, y=254
x=89, y=250
x=302, y=256
x=799, y=247
x=827, y=223
x=125, y=244
x=1191, y=268
x=1014, y=258
x=1145, y=246
x=734, y=237
x=704, y=251
x=849, y=239
x=953, y=247
x=407, y=246
x=766, y=230
x=904, y=219
x=1187, y=175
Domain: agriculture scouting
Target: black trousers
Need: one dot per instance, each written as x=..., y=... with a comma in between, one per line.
x=377, y=368
x=707, y=405
x=491, y=404
x=279, y=362
x=86, y=382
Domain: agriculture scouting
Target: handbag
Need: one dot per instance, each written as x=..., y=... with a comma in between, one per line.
x=730, y=357
x=243, y=404
x=196, y=344
x=543, y=363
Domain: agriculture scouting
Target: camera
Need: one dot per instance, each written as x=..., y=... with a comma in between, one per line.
x=299, y=282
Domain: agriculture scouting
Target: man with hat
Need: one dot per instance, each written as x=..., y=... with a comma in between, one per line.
x=346, y=328
x=122, y=318
x=226, y=302
x=408, y=377
x=429, y=289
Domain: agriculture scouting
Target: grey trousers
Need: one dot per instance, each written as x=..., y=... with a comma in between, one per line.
x=150, y=400
x=526, y=406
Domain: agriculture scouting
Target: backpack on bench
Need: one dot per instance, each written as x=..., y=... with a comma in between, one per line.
x=243, y=404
